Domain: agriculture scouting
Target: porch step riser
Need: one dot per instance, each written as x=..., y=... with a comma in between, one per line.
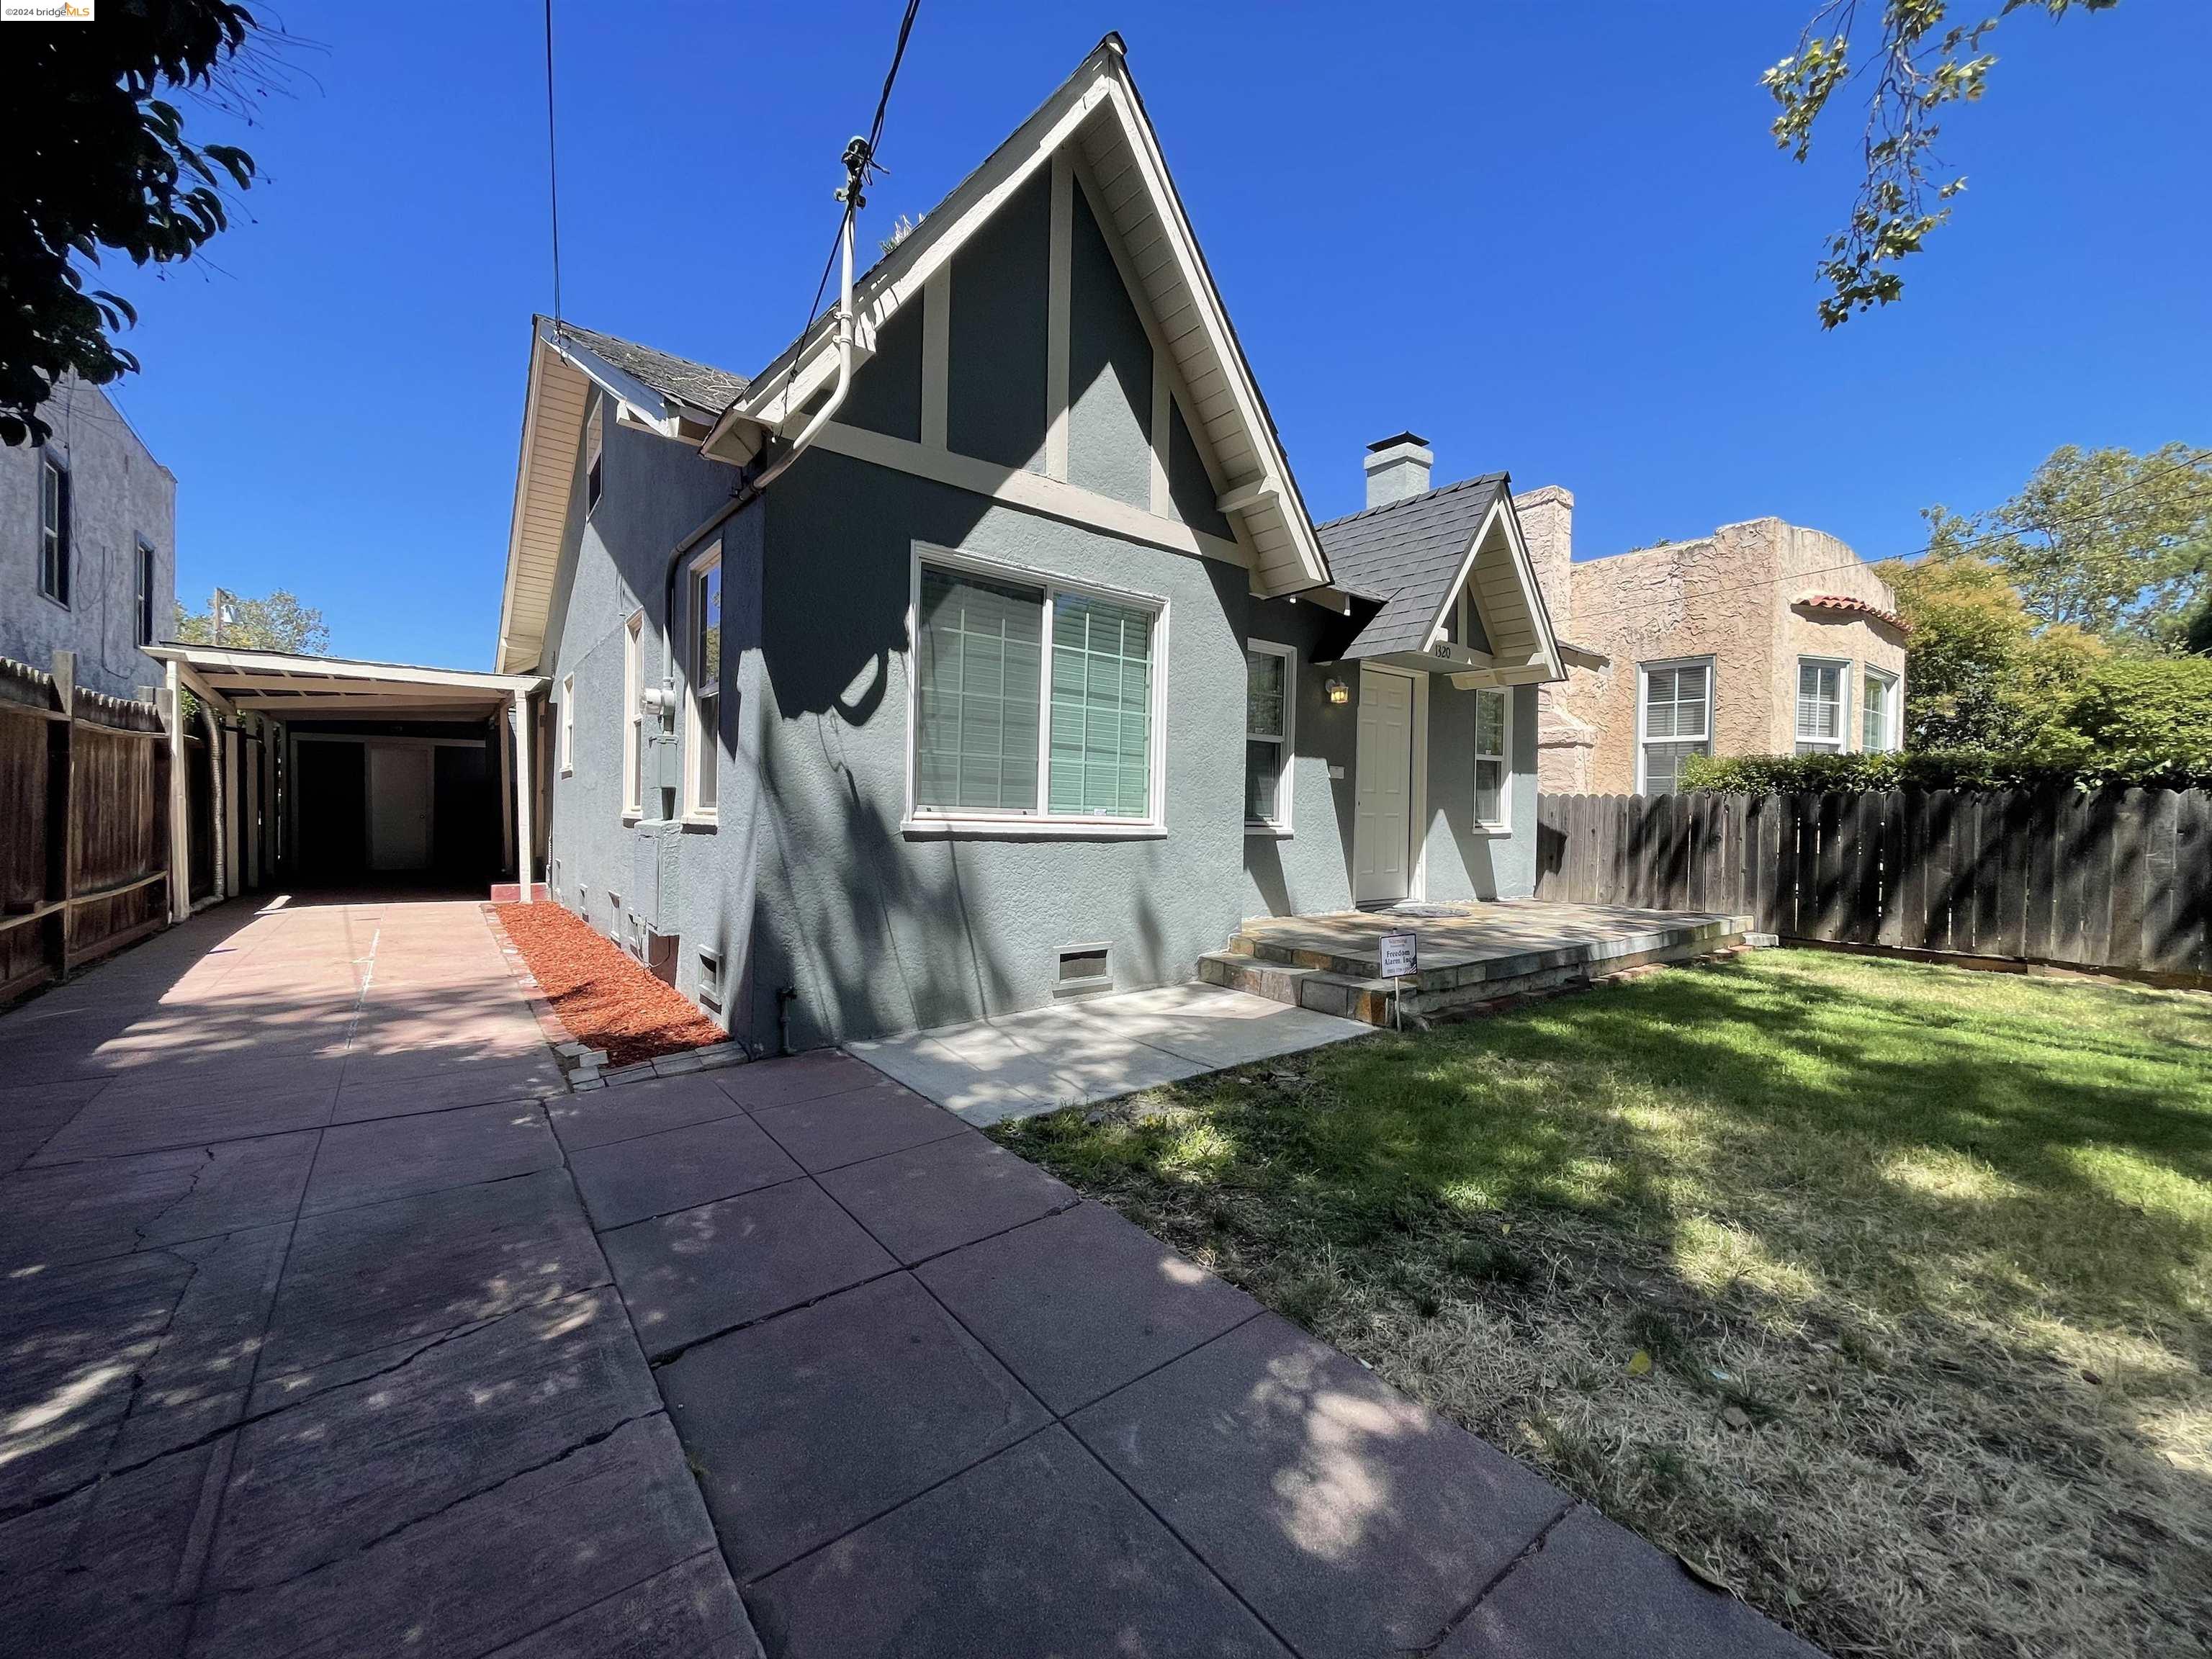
x=1443, y=993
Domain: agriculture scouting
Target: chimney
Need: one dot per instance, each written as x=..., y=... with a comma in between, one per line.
x=1397, y=467
x=1547, y=524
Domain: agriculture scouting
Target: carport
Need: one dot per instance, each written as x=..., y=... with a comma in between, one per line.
x=327, y=771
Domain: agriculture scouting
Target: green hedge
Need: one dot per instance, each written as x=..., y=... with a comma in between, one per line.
x=1941, y=768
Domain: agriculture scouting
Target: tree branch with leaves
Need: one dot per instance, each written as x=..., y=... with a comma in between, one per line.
x=1915, y=67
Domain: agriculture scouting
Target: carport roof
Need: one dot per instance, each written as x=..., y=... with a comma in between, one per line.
x=292, y=686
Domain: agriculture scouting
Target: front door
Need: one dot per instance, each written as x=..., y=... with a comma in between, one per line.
x=1382, y=823
x=398, y=806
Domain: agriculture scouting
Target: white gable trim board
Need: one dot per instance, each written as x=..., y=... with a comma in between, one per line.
x=1506, y=597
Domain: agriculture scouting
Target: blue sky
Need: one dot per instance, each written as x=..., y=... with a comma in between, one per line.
x=1555, y=238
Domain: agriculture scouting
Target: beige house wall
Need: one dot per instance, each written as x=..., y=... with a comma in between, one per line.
x=1729, y=597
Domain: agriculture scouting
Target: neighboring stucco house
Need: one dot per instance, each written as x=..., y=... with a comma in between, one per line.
x=1031, y=675
x=1763, y=638
x=87, y=544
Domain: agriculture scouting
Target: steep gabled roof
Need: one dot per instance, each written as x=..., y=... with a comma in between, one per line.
x=1097, y=117
x=707, y=390
x=1415, y=555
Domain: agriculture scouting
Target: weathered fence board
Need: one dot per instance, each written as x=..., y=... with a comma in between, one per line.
x=2118, y=879
x=84, y=824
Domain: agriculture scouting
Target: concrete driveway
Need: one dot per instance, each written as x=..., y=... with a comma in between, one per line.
x=333, y=1324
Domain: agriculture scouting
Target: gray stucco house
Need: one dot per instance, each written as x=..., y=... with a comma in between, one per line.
x=87, y=545
x=1030, y=676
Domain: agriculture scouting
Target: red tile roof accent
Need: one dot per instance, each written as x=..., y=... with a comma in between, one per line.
x=1857, y=607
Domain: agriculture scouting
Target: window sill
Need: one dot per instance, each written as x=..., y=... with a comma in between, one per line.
x=1027, y=829
x=698, y=821
x=1492, y=831
x=632, y=817
x=1267, y=832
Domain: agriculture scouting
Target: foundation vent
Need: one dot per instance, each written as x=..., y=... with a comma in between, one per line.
x=1084, y=967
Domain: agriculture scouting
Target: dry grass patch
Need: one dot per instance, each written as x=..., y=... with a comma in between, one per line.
x=1878, y=1290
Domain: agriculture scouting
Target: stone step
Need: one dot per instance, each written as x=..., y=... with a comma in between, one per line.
x=1243, y=973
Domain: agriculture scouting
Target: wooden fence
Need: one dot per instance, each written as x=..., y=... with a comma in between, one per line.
x=84, y=824
x=2119, y=878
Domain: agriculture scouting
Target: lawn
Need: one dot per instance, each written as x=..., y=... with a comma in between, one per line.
x=1880, y=1292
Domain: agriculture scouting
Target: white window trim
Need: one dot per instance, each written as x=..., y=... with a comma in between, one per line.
x=1642, y=701
x=567, y=725
x=1843, y=666
x=54, y=532
x=699, y=745
x=1503, y=825
x=1279, y=826
x=1039, y=825
x=1892, y=708
x=595, y=451
x=633, y=717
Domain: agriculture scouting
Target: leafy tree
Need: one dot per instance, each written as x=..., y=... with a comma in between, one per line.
x=1914, y=66
x=2115, y=544
x=98, y=161
x=2139, y=714
x=277, y=622
x=1979, y=672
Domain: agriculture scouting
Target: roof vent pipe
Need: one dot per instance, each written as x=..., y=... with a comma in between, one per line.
x=1397, y=468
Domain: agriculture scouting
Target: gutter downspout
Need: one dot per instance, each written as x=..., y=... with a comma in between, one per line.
x=856, y=159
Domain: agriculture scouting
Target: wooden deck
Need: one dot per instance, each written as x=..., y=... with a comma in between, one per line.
x=1469, y=954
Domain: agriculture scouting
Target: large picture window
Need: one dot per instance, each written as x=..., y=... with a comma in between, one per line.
x=706, y=687
x=1031, y=699
x=1493, y=727
x=1676, y=721
x=1820, y=710
x=1270, y=694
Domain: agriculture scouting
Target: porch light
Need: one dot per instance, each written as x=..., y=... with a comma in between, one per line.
x=1338, y=692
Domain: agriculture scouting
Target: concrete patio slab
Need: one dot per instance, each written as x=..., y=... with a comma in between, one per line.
x=1097, y=1048
x=801, y=1077
x=488, y=1571
x=1038, y=1551
x=375, y=1096
x=799, y=1430
x=647, y=1108
x=1352, y=1520
x=30, y=1114
x=831, y=1130
x=689, y=1612
x=1591, y=1587
x=69, y=1212
x=395, y=1157
x=313, y=1485
x=676, y=1169
x=149, y=1125
x=931, y=1198
x=1142, y=1304
x=411, y=1267
x=701, y=1272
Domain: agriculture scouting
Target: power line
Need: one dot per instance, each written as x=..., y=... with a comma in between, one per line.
x=552, y=162
x=2069, y=522
x=852, y=196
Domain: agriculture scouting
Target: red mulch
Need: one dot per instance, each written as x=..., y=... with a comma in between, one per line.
x=604, y=998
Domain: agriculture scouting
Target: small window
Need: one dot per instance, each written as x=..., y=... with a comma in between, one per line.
x=568, y=724
x=706, y=688
x=634, y=715
x=1493, y=725
x=1878, y=713
x=594, y=452
x=995, y=734
x=53, y=528
x=1270, y=696
x=1676, y=716
x=145, y=594
x=1819, y=706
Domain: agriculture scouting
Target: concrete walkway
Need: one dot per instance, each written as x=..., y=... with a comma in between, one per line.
x=332, y=1327
x=1097, y=1048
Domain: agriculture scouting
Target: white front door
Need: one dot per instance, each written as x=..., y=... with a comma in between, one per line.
x=398, y=806
x=1382, y=820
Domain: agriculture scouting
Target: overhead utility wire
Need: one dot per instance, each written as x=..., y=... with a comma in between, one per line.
x=863, y=164
x=552, y=164
x=2183, y=465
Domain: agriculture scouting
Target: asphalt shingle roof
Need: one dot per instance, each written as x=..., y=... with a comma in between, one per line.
x=712, y=390
x=1406, y=554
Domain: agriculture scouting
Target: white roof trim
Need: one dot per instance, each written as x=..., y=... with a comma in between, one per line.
x=1546, y=655
x=277, y=668
x=1098, y=111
